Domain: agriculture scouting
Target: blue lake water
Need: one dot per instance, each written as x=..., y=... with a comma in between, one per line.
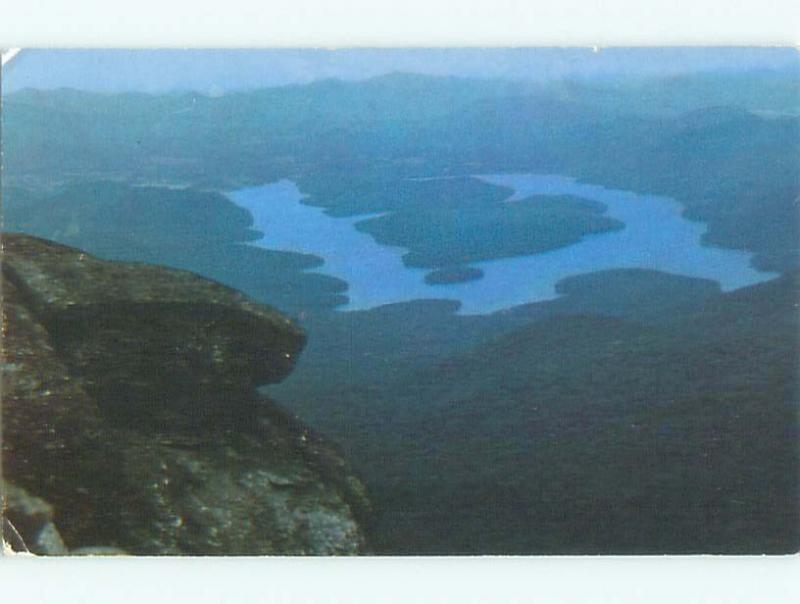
x=655, y=236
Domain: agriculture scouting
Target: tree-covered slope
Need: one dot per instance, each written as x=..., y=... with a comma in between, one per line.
x=184, y=228
x=583, y=433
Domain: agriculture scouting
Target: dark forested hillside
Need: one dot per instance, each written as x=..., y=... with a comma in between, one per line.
x=181, y=227
x=585, y=433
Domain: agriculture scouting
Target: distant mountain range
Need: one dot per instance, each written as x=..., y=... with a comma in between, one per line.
x=218, y=71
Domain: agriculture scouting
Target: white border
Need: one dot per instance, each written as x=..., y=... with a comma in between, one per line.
x=669, y=580
x=315, y=23
x=339, y=23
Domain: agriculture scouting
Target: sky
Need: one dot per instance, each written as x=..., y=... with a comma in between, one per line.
x=216, y=71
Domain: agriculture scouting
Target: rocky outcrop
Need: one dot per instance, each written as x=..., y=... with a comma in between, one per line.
x=27, y=515
x=130, y=407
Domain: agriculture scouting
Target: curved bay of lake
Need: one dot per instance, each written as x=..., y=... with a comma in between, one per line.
x=656, y=236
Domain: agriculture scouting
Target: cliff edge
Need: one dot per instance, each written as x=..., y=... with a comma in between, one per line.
x=129, y=407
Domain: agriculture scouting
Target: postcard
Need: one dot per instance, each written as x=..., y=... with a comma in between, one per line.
x=408, y=301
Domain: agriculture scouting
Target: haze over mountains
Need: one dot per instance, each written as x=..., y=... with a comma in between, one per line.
x=640, y=411
x=217, y=71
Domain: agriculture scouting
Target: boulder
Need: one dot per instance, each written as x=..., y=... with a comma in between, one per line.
x=28, y=522
x=130, y=406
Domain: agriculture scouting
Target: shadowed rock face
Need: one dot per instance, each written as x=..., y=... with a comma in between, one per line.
x=129, y=405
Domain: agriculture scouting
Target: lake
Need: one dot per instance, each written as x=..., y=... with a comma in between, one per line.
x=656, y=236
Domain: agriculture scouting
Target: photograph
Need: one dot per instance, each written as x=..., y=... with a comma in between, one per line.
x=408, y=301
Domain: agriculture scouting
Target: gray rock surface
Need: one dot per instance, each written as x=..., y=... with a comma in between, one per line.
x=130, y=406
x=28, y=522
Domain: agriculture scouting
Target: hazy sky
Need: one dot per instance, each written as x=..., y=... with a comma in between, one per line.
x=223, y=70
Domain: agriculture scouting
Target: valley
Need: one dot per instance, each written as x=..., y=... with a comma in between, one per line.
x=543, y=316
